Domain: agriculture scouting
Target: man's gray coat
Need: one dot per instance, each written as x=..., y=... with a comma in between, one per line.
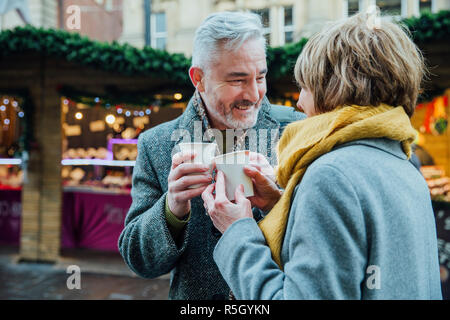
x=146, y=243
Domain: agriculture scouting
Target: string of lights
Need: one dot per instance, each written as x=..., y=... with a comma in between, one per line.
x=117, y=110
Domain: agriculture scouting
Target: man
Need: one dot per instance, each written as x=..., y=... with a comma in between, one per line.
x=167, y=228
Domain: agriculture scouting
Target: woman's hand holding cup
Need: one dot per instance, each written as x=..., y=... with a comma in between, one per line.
x=266, y=191
x=221, y=210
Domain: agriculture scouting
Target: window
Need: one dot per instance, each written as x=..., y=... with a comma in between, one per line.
x=352, y=7
x=158, y=30
x=425, y=5
x=265, y=17
x=421, y=6
x=390, y=7
x=288, y=25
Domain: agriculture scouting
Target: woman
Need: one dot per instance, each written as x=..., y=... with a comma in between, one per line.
x=355, y=219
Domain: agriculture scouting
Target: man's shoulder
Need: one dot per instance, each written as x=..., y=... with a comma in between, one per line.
x=285, y=114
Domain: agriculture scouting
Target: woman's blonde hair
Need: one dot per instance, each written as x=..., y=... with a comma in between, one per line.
x=351, y=62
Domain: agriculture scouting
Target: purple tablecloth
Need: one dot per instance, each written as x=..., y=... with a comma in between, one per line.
x=93, y=220
x=89, y=220
x=10, y=212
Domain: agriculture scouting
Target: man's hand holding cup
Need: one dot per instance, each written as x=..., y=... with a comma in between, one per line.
x=183, y=175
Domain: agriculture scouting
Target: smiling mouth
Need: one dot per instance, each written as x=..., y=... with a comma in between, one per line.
x=243, y=107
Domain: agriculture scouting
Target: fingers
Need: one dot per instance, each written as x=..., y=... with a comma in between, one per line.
x=239, y=194
x=188, y=168
x=254, y=156
x=187, y=181
x=261, y=163
x=220, y=187
x=255, y=174
x=258, y=158
x=188, y=194
x=181, y=157
x=255, y=166
x=213, y=164
x=208, y=197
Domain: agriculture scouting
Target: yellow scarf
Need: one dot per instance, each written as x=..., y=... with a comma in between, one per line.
x=304, y=141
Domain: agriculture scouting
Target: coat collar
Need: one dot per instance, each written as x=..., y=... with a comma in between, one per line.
x=188, y=117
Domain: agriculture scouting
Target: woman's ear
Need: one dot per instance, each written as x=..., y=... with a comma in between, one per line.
x=196, y=74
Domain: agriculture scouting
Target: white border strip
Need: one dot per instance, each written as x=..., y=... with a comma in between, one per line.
x=97, y=162
x=11, y=161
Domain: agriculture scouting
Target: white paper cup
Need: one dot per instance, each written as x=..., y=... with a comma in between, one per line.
x=205, y=153
x=232, y=165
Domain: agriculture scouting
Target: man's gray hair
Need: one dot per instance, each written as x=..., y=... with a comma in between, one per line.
x=227, y=29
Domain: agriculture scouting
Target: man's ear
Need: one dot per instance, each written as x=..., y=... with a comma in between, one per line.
x=196, y=74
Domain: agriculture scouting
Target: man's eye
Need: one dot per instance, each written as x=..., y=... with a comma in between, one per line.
x=236, y=81
x=261, y=79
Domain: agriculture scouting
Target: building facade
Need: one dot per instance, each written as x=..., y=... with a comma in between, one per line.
x=100, y=20
x=40, y=13
x=172, y=23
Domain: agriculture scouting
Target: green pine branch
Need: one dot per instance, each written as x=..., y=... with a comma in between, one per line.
x=128, y=60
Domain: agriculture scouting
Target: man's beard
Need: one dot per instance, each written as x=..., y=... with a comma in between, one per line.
x=229, y=121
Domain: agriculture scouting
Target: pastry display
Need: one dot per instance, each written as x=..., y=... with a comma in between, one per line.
x=10, y=177
x=438, y=183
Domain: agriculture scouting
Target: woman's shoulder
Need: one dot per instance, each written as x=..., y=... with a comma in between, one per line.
x=367, y=163
x=349, y=173
x=362, y=154
x=343, y=160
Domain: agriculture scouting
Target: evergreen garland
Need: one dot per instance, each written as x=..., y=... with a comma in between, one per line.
x=114, y=57
x=128, y=60
x=429, y=27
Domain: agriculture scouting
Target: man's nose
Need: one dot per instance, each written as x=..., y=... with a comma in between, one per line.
x=252, y=92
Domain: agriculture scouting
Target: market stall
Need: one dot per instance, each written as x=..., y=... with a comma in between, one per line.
x=98, y=155
x=439, y=185
x=10, y=211
x=65, y=151
x=93, y=219
x=11, y=114
x=433, y=150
